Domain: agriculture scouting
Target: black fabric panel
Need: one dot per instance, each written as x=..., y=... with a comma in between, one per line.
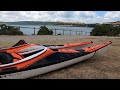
x=56, y=58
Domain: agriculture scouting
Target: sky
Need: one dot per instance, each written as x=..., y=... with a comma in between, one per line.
x=64, y=16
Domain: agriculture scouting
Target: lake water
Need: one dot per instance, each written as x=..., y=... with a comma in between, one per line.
x=29, y=29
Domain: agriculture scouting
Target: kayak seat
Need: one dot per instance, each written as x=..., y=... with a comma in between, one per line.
x=5, y=58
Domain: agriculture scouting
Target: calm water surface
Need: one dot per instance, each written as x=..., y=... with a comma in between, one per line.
x=29, y=29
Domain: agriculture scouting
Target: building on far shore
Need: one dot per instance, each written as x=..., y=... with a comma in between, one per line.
x=117, y=23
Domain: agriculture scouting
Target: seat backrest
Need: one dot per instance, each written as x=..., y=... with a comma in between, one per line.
x=5, y=58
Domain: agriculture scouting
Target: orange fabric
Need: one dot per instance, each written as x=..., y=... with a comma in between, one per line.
x=93, y=48
x=67, y=50
x=31, y=61
x=15, y=60
x=16, y=56
x=76, y=44
x=14, y=49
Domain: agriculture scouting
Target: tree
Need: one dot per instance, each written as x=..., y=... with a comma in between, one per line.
x=44, y=31
x=105, y=30
x=9, y=30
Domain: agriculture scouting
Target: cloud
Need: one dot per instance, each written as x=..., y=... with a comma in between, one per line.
x=66, y=16
x=112, y=15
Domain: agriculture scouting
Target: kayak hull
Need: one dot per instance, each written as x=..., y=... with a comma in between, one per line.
x=43, y=70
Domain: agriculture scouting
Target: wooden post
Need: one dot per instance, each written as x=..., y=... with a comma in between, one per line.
x=19, y=27
x=76, y=32
x=55, y=31
x=81, y=33
x=85, y=33
x=34, y=30
x=70, y=32
x=63, y=32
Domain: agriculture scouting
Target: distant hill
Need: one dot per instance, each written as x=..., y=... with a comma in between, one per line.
x=42, y=23
x=28, y=23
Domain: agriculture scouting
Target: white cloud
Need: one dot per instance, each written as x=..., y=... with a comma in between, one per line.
x=113, y=14
x=85, y=14
x=68, y=16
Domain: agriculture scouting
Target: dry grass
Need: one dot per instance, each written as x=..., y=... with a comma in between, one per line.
x=105, y=66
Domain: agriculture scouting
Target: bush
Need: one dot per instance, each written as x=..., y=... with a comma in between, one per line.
x=9, y=30
x=105, y=30
x=44, y=31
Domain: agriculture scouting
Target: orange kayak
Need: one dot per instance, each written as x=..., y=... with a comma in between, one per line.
x=28, y=60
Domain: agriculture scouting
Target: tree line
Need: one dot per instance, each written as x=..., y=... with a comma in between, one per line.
x=99, y=30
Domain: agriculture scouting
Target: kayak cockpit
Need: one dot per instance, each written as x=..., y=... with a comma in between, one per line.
x=7, y=59
x=30, y=50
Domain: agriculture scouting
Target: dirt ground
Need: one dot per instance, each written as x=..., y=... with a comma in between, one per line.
x=102, y=66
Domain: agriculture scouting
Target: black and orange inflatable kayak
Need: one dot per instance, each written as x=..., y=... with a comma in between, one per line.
x=24, y=60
